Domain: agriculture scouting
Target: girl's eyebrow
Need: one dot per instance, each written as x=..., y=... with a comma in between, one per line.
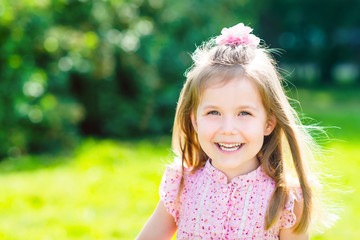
x=210, y=106
x=252, y=107
x=239, y=107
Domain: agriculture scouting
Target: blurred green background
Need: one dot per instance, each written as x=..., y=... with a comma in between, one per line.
x=88, y=92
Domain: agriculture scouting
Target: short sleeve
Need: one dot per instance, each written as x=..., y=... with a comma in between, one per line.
x=169, y=188
x=288, y=217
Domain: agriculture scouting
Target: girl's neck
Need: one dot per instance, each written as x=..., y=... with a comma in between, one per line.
x=236, y=172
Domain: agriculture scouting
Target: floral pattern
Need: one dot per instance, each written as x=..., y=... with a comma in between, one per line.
x=211, y=208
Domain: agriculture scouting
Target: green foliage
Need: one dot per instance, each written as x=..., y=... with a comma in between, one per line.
x=106, y=68
x=38, y=111
x=114, y=68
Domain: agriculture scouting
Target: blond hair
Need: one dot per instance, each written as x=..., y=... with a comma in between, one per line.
x=289, y=146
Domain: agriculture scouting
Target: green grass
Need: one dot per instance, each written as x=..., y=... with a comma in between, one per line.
x=345, y=163
x=107, y=189
x=338, y=109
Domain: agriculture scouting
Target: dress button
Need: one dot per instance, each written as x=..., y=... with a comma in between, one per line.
x=225, y=190
x=229, y=214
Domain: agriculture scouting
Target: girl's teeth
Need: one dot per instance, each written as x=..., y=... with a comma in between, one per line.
x=229, y=147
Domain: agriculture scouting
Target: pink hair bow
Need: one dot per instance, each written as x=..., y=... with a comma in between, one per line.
x=238, y=35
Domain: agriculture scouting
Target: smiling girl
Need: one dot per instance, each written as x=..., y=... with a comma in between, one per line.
x=233, y=129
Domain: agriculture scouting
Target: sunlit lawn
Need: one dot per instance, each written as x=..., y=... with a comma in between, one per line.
x=107, y=189
x=105, y=192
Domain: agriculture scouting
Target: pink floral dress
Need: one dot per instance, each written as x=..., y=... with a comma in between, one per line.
x=211, y=208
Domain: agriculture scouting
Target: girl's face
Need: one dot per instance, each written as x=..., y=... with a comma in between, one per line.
x=231, y=123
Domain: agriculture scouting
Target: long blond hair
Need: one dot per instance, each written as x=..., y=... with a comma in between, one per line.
x=289, y=146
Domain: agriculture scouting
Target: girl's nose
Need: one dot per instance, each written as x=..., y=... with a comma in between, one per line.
x=229, y=127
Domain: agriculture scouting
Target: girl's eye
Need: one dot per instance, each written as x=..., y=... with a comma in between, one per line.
x=243, y=113
x=213, y=113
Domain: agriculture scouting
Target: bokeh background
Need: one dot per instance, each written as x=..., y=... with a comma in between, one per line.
x=88, y=91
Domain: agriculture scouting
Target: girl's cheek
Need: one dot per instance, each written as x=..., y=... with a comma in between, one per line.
x=207, y=124
x=249, y=127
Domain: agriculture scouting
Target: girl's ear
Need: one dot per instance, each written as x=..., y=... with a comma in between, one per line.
x=193, y=120
x=270, y=125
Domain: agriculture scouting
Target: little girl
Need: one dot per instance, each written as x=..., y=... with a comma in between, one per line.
x=238, y=144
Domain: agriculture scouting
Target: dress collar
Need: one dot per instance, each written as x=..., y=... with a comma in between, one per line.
x=240, y=181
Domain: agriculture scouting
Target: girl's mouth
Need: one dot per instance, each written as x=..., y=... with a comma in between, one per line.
x=229, y=147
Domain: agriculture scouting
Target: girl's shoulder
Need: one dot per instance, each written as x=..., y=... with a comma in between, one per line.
x=288, y=216
x=175, y=170
x=173, y=174
x=171, y=183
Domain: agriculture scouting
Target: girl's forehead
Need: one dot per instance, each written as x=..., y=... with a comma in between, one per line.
x=232, y=91
x=238, y=93
x=220, y=81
